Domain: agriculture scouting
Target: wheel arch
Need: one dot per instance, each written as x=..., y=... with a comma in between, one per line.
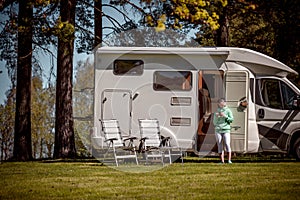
x=292, y=141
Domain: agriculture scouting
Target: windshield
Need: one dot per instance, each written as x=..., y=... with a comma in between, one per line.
x=296, y=83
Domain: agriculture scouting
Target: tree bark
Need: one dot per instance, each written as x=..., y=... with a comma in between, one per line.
x=64, y=129
x=5, y=3
x=22, y=140
x=98, y=22
x=222, y=38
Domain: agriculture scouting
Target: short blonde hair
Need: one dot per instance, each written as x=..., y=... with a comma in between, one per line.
x=221, y=100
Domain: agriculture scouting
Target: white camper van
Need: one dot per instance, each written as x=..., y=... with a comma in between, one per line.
x=180, y=88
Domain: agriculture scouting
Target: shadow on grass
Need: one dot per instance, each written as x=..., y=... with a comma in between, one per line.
x=245, y=158
x=256, y=158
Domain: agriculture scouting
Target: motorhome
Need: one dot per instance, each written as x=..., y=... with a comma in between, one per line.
x=180, y=88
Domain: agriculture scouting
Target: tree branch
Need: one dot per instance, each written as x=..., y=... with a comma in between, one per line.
x=5, y=3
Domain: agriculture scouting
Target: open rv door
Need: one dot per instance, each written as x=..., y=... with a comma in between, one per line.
x=237, y=88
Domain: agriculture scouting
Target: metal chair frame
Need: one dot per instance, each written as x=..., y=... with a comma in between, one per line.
x=115, y=141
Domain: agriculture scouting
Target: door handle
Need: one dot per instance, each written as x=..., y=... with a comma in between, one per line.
x=261, y=113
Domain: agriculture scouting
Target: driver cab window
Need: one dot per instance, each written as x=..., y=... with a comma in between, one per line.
x=276, y=94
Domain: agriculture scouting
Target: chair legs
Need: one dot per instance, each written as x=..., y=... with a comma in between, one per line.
x=162, y=155
x=116, y=159
x=117, y=156
x=159, y=155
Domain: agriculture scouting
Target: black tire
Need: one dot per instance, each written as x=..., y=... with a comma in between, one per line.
x=296, y=149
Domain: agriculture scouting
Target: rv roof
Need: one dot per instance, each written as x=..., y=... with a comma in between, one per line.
x=165, y=50
x=255, y=61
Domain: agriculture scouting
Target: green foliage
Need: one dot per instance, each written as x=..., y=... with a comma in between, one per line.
x=84, y=26
x=197, y=12
x=282, y=18
x=8, y=41
x=7, y=119
x=43, y=22
x=178, y=13
x=149, y=37
x=83, y=106
x=42, y=119
x=64, y=31
x=202, y=180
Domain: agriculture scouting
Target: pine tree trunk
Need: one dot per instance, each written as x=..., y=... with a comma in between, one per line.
x=64, y=129
x=223, y=32
x=22, y=140
x=98, y=22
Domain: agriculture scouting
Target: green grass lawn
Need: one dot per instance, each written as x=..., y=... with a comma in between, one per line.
x=196, y=179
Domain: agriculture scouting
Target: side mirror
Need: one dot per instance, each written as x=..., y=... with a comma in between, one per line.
x=296, y=101
x=242, y=104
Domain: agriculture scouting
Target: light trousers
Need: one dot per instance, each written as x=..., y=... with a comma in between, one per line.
x=223, y=137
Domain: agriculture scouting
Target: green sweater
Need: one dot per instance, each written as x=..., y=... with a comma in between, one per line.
x=222, y=124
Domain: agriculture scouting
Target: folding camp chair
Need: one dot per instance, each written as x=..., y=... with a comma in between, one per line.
x=114, y=140
x=152, y=143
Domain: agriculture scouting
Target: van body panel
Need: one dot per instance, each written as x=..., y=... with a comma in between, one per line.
x=142, y=94
x=276, y=120
x=277, y=127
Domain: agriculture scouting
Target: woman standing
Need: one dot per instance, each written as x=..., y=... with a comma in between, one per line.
x=222, y=120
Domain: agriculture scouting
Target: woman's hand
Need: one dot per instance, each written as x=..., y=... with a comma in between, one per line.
x=221, y=114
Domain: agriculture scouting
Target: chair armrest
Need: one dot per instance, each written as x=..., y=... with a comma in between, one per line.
x=144, y=138
x=166, y=138
x=111, y=139
x=142, y=147
x=165, y=142
x=131, y=138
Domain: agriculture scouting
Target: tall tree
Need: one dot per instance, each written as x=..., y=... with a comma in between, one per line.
x=22, y=141
x=98, y=22
x=19, y=38
x=283, y=19
x=64, y=124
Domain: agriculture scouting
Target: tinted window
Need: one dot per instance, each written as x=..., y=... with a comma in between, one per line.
x=172, y=80
x=276, y=94
x=271, y=94
x=128, y=67
x=288, y=96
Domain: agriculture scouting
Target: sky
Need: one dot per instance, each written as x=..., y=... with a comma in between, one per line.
x=4, y=80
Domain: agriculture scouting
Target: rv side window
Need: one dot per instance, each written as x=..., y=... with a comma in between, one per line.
x=128, y=67
x=276, y=94
x=288, y=96
x=172, y=80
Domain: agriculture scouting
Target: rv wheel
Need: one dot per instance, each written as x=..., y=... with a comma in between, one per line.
x=297, y=149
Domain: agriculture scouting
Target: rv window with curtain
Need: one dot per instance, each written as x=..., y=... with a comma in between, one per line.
x=128, y=67
x=172, y=81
